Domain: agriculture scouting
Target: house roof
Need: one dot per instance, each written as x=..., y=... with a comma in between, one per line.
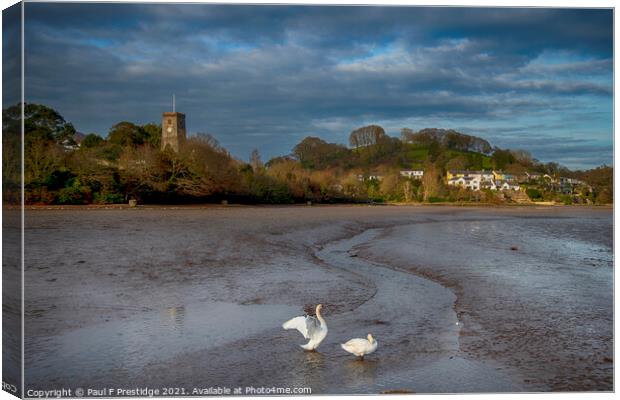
x=465, y=178
x=466, y=172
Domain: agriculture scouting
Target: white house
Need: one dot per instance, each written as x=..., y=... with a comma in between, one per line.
x=467, y=182
x=412, y=173
x=532, y=176
x=488, y=184
x=371, y=177
x=506, y=185
x=481, y=175
x=70, y=145
x=486, y=176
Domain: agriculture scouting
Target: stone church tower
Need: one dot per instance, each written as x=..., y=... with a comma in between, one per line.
x=172, y=130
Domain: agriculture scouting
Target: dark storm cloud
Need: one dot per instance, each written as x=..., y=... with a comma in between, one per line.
x=266, y=76
x=11, y=55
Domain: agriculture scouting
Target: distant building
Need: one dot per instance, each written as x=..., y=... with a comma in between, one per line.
x=73, y=142
x=506, y=185
x=70, y=145
x=412, y=173
x=573, y=181
x=532, y=176
x=370, y=177
x=501, y=176
x=476, y=180
x=488, y=184
x=482, y=175
x=173, y=133
x=467, y=182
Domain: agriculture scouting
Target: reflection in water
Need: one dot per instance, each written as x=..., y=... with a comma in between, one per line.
x=174, y=317
x=314, y=360
x=312, y=365
x=358, y=372
x=130, y=344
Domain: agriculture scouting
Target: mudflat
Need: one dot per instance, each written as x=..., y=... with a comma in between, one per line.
x=459, y=299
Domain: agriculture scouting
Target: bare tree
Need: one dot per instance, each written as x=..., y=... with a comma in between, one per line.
x=366, y=136
x=209, y=140
x=407, y=190
x=430, y=182
x=41, y=158
x=255, y=160
x=407, y=135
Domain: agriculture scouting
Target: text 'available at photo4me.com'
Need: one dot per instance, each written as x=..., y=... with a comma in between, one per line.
x=166, y=391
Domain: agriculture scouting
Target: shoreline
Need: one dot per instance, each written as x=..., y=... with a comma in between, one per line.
x=93, y=207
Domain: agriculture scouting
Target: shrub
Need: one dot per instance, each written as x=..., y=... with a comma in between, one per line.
x=108, y=198
x=74, y=193
x=533, y=194
x=70, y=195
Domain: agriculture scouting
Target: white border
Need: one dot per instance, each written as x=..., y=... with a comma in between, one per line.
x=470, y=3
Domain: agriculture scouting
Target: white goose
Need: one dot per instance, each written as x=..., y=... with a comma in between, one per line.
x=314, y=329
x=360, y=347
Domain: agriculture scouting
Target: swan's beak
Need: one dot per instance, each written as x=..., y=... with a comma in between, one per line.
x=370, y=338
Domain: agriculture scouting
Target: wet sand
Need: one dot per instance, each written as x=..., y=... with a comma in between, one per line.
x=194, y=297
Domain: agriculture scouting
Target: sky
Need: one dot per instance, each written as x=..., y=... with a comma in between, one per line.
x=265, y=77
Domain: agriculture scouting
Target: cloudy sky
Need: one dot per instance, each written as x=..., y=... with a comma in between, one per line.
x=267, y=76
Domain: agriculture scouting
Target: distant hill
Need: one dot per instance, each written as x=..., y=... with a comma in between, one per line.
x=447, y=138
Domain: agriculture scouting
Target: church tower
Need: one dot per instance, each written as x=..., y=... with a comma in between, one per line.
x=172, y=129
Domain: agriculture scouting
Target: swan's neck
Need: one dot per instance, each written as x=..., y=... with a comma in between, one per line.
x=320, y=317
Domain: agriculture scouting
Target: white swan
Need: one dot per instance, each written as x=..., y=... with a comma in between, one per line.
x=360, y=347
x=314, y=329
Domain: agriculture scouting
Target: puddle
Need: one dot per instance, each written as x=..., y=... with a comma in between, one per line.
x=130, y=344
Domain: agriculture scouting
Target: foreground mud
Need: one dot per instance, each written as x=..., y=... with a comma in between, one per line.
x=194, y=298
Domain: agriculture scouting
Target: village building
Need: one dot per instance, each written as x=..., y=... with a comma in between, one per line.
x=488, y=184
x=370, y=177
x=412, y=173
x=467, y=182
x=532, y=176
x=481, y=175
x=73, y=142
x=500, y=181
x=477, y=180
x=506, y=185
x=501, y=176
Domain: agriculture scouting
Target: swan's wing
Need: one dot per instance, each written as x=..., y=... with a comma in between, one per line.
x=298, y=323
x=313, y=326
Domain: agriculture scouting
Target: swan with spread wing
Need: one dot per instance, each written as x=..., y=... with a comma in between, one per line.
x=313, y=328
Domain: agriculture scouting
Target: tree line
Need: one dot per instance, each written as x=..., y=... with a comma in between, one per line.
x=129, y=164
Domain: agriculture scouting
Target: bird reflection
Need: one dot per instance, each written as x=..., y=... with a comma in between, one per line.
x=175, y=317
x=312, y=366
x=315, y=361
x=361, y=372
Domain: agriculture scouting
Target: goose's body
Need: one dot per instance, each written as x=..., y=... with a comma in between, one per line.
x=313, y=328
x=360, y=347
